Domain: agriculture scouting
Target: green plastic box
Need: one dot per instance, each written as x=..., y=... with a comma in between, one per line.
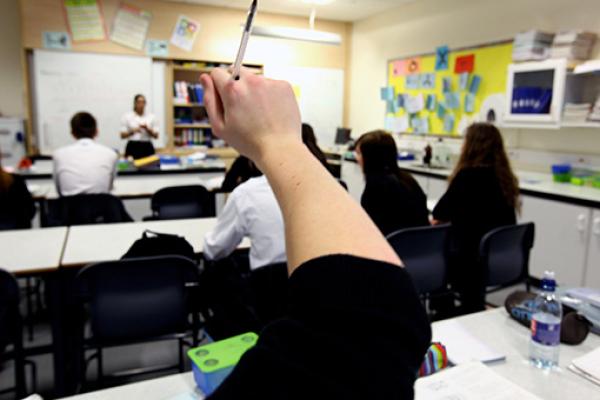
x=213, y=362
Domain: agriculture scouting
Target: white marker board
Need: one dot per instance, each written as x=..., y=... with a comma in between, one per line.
x=320, y=96
x=104, y=85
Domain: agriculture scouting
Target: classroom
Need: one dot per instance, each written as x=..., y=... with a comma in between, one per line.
x=293, y=199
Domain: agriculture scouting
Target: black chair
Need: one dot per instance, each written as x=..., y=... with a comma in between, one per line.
x=136, y=301
x=11, y=334
x=83, y=209
x=424, y=252
x=504, y=256
x=179, y=202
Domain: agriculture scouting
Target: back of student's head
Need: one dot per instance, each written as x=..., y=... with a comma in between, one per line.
x=379, y=152
x=310, y=140
x=83, y=125
x=484, y=147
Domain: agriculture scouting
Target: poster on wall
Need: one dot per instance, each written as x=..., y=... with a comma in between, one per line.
x=130, y=26
x=56, y=40
x=185, y=33
x=85, y=20
x=157, y=48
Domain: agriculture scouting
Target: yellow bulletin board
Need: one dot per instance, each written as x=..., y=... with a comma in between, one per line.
x=489, y=63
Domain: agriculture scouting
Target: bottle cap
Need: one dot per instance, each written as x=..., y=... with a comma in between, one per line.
x=548, y=282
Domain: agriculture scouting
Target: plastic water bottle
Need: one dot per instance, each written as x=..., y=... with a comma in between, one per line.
x=545, y=326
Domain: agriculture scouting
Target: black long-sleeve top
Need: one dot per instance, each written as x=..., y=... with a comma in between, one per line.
x=474, y=204
x=17, y=207
x=394, y=204
x=355, y=329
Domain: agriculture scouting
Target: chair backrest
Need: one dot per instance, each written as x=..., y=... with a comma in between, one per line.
x=180, y=202
x=9, y=309
x=424, y=252
x=137, y=298
x=84, y=209
x=504, y=254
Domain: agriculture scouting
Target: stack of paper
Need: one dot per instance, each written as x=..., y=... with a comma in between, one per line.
x=595, y=114
x=471, y=381
x=461, y=345
x=573, y=45
x=576, y=113
x=532, y=45
x=588, y=366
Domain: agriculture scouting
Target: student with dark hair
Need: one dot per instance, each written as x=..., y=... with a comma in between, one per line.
x=483, y=194
x=354, y=326
x=84, y=167
x=139, y=127
x=16, y=204
x=240, y=171
x=392, y=197
x=310, y=140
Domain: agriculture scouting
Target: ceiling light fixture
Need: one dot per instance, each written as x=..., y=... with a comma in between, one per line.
x=309, y=35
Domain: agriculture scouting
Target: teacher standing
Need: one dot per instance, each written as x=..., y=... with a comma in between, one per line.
x=140, y=127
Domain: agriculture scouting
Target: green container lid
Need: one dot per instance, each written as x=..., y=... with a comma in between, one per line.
x=222, y=354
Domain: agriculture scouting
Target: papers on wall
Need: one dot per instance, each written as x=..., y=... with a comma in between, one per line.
x=414, y=104
x=464, y=64
x=387, y=93
x=85, y=20
x=157, y=48
x=469, y=103
x=413, y=81
x=470, y=381
x=130, y=27
x=452, y=100
x=463, y=80
x=396, y=124
x=461, y=345
x=428, y=81
x=588, y=366
x=185, y=33
x=56, y=40
x=442, y=54
x=449, y=123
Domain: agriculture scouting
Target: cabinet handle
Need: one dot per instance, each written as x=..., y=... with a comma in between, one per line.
x=581, y=223
x=596, y=228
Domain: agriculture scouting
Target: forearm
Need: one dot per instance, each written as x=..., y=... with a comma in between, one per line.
x=320, y=217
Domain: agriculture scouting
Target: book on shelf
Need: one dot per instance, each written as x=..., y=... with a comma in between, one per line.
x=188, y=93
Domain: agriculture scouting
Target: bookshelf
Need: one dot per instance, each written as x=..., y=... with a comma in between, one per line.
x=187, y=121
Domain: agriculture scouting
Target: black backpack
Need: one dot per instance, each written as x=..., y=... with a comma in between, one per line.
x=160, y=244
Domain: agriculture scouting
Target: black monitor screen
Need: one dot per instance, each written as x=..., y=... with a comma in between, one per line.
x=342, y=135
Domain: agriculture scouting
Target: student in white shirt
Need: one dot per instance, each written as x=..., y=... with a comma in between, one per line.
x=84, y=167
x=139, y=127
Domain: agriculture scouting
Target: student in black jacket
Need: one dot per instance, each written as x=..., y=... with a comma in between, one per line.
x=354, y=328
x=392, y=198
x=16, y=204
x=483, y=194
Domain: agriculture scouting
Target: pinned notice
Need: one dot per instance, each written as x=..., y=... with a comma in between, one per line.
x=130, y=27
x=465, y=64
x=185, y=33
x=85, y=20
x=442, y=54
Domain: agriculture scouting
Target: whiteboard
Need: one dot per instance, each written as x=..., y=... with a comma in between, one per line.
x=320, y=93
x=104, y=85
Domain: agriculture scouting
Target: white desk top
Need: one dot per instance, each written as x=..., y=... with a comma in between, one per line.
x=108, y=242
x=532, y=181
x=506, y=336
x=165, y=388
x=31, y=250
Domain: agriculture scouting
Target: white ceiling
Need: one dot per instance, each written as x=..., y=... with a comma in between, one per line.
x=340, y=10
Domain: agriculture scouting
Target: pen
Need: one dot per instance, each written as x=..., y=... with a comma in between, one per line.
x=247, y=30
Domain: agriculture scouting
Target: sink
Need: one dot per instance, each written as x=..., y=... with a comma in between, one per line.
x=432, y=167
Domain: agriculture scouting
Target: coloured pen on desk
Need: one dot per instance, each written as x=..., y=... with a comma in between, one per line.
x=246, y=35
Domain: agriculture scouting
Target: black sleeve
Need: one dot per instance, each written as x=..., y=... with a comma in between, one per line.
x=371, y=201
x=355, y=330
x=24, y=198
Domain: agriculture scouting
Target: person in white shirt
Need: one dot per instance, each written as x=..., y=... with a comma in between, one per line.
x=139, y=127
x=84, y=167
x=250, y=211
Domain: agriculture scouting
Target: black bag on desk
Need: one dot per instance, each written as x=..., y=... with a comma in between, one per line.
x=160, y=244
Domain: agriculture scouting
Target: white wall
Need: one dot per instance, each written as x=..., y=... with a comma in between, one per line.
x=11, y=78
x=421, y=26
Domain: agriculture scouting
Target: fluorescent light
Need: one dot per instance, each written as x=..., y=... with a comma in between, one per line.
x=282, y=32
x=318, y=2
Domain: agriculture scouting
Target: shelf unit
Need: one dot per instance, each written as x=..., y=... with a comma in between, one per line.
x=187, y=122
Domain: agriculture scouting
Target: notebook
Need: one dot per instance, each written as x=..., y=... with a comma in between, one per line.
x=469, y=381
x=588, y=366
x=462, y=346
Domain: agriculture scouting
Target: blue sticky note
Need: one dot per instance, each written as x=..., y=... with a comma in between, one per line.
x=463, y=81
x=430, y=103
x=441, y=110
x=428, y=80
x=442, y=56
x=452, y=100
x=446, y=84
x=469, y=102
x=392, y=108
x=475, y=83
x=400, y=100
x=413, y=81
x=449, y=123
x=415, y=123
x=387, y=93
